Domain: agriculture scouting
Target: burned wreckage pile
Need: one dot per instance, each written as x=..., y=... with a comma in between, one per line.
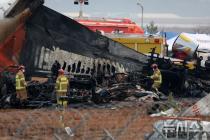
x=100, y=87
x=98, y=68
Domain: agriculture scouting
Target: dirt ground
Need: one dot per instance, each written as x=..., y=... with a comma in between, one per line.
x=125, y=123
x=122, y=121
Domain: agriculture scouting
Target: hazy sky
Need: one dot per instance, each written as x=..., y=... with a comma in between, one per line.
x=167, y=12
x=190, y=8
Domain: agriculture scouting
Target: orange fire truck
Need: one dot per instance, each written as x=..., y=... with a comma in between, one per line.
x=125, y=32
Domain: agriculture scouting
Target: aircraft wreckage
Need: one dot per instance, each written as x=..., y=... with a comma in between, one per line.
x=35, y=36
x=38, y=42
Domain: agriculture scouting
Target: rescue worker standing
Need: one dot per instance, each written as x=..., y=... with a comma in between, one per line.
x=156, y=77
x=21, y=92
x=61, y=87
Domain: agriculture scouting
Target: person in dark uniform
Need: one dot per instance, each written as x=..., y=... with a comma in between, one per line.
x=198, y=65
x=54, y=69
x=93, y=84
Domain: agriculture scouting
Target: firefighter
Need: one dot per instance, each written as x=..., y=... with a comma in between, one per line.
x=156, y=77
x=61, y=87
x=21, y=92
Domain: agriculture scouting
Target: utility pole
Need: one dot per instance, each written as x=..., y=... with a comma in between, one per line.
x=142, y=14
x=80, y=10
x=81, y=3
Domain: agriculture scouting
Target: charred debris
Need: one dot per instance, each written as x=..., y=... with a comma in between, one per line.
x=100, y=70
x=104, y=85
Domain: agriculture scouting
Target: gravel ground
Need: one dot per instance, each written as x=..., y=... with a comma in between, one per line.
x=118, y=120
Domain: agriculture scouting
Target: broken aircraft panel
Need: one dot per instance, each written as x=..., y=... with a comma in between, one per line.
x=52, y=36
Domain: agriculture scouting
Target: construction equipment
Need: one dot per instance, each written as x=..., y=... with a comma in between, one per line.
x=125, y=32
x=141, y=43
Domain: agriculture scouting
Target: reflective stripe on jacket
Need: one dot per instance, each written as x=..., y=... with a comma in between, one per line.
x=157, y=77
x=20, y=81
x=62, y=84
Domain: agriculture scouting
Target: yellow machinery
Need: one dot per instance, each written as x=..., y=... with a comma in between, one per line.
x=140, y=43
x=144, y=44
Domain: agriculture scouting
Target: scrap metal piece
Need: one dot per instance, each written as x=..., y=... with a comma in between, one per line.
x=69, y=131
x=201, y=108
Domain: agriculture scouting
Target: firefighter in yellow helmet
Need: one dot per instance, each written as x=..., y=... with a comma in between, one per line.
x=157, y=77
x=21, y=92
x=61, y=87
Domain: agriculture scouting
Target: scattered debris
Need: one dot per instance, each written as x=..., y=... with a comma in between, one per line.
x=201, y=108
x=170, y=112
x=69, y=131
x=120, y=74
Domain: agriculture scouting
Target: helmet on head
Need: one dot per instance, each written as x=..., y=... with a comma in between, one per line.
x=61, y=71
x=154, y=66
x=21, y=67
